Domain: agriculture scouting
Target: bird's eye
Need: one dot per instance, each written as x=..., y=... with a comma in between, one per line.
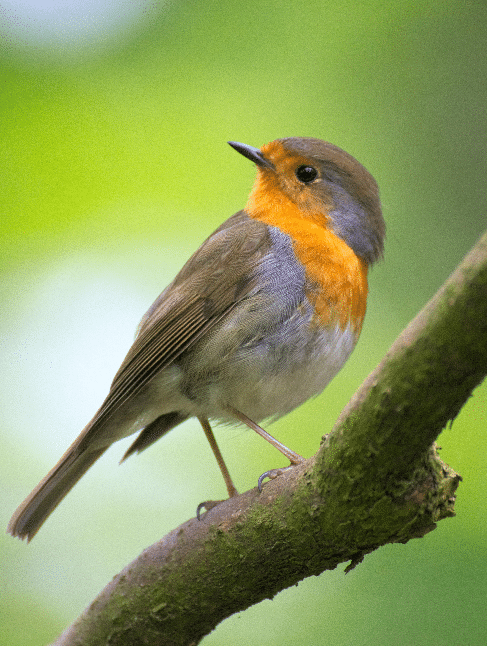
x=306, y=174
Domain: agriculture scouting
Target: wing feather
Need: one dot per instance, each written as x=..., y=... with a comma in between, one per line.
x=214, y=280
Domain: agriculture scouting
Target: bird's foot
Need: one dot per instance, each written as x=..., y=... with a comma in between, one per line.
x=273, y=473
x=206, y=506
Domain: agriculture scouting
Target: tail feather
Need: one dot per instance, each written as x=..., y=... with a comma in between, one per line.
x=31, y=514
x=156, y=429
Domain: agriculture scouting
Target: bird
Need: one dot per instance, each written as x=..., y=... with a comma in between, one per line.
x=260, y=318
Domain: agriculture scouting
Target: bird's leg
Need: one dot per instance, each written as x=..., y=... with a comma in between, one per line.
x=292, y=456
x=232, y=490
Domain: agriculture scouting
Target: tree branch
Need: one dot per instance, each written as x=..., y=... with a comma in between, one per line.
x=376, y=479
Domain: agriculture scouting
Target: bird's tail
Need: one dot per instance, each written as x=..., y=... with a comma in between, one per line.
x=30, y=515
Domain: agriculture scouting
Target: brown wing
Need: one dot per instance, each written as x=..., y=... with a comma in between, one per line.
x=211, y=283
x=206, y=289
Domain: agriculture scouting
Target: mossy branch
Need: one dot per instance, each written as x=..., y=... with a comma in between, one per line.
x=376, y=479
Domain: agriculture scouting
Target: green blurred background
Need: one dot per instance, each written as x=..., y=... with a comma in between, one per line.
x=114, y=168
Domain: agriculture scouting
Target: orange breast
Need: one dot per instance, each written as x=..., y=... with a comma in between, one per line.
x=337, y=277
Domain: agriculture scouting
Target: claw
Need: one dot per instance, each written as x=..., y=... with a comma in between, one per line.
x=273, y=473
x=207, y=505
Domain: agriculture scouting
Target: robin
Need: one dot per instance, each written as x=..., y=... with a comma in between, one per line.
x=259, y=319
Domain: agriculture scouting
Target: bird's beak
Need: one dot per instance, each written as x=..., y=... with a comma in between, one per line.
x=254, y=154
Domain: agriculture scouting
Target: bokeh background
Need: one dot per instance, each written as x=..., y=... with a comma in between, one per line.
x=114, y=167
